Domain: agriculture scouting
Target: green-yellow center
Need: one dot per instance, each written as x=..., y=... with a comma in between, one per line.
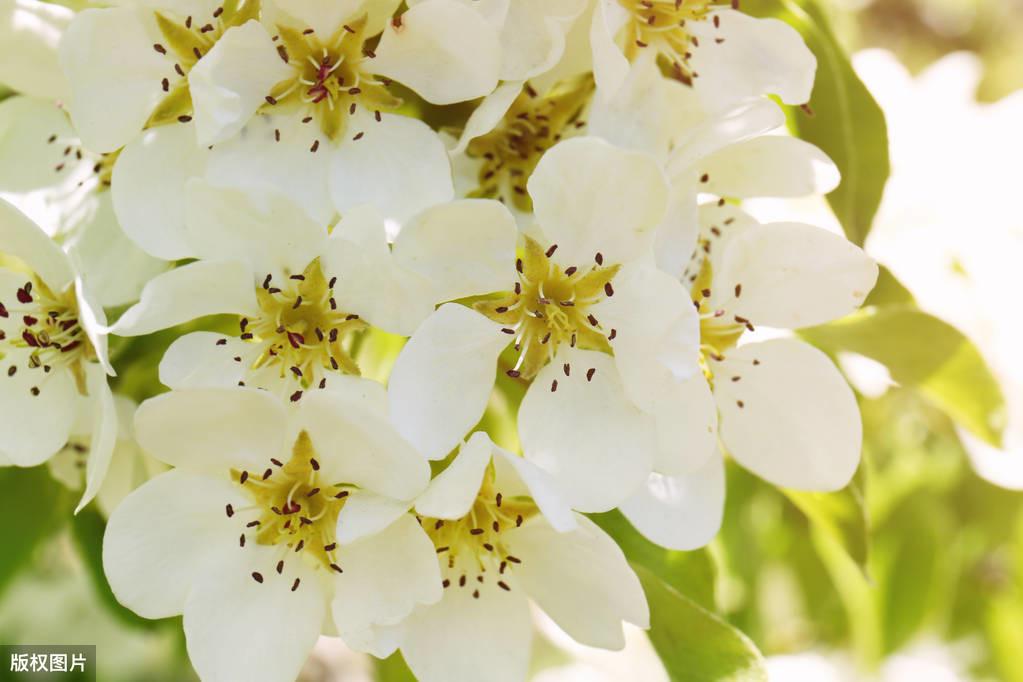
x=661, y=25
x=549, y=306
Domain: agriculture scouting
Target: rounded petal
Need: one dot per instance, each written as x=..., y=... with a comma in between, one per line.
x=517, y=476
x=366, y=514
x=442, y=49
x=488, y=114
x=30, y=32
x=769, y=166
x=213, y=429
x=190, y=292
x=35, y=427
x=581, y=579
x=756, y=57
x=28, y=160
x=463, y=248
x=149, y=189
x=232, y=81
x=358, y=446
x=590, y=197
x=790, y=418
x=793, y=275
x=164, y=535
x=441, y=382
x=399, y=167
x=269, y=232
x=104, y=434
x=533, y=35
x=385, y=577
x=240, y=629
x=114, y=73
x=687, y=427
x=22, y=238
x=585, y=433
x=203, y=360
x=680, y=512
x=610, y=67
x=452, y=492
x=461, y=639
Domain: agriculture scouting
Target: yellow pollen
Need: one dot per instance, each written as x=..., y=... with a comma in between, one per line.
x=551, y=305
x=661, y=25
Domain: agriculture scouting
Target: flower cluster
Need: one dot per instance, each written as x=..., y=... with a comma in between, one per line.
x=479, y=268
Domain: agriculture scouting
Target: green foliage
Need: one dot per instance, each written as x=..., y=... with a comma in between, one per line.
x=844, y=120
x=694, y=644
x=927, y=354
x=33, y=507
x=392, y=669
x=842, y=514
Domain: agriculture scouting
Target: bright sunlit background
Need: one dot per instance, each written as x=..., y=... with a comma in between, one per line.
x=940, y=595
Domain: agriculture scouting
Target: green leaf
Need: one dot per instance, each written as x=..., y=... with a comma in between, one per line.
x=87, y=529
x=842, y=515
x=33, y=507
x=846, y=122
x=393, y=669
x=694, y=644
x=927, y=354
x=690, y=573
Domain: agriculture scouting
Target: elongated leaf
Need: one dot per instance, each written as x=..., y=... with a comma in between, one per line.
x=393, y=669
x=33, y=507
x=690, y=573
x=694, y=644
x=846, y=122
x=925, y=353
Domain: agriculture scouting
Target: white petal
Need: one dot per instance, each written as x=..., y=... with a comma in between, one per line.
x=325, y=16
x=799, y=425
x=590, y=197
x=240, y=629
x=399, y=166
x=30, y=32
x=687, y=427
x=104, y=434
x=517, y=476
x=461, y=639
x=580, y=579
x=533, y=35
x=164, y=535
x=756, y=57
x=441, y=382
x=769, y=166
x=232, y=80
x=204, y=360
x=213, y=429
x=596, y=444
x=190, y=292
x=742, y=122
x=93, y=320
x=610, y=67
x=488, y=114
x=29, y=161
x=463, y=248
x=366, y=514
x=385, y=577
x=35, y=427
x=793, y=275
x=452, y=493
x=358, y=446
x=114, y=73
x=443, y=50
x=270, y=233
x=22, y=238
x=149, y=189
x=680, y=512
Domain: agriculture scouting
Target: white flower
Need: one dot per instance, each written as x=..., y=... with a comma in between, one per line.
x=502, y=537
x=583, y=286
x=725, y=55
x=54, y=353
x=29, y=34
x=241, y=536
x=779, y=407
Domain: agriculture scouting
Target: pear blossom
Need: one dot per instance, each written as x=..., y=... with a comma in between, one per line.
x=30, y=32
x=502, y=537
x=241, y=535
x=584, y=286
x=54, y=354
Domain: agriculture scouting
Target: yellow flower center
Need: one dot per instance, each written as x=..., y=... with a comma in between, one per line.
x=300, y=330
x=720, y=331
x=47, y=326
x=532, y=125
x=549, y=306
x=330, y=80
x=473, y=550
x=661, y=25
x=292, y=508
x=74, y=156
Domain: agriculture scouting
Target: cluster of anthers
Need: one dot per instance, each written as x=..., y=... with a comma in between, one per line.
x=473, y=549
x=533, y=124
x=550, y=306
x=49, y=331
x=300, y=331
x=292, y=509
